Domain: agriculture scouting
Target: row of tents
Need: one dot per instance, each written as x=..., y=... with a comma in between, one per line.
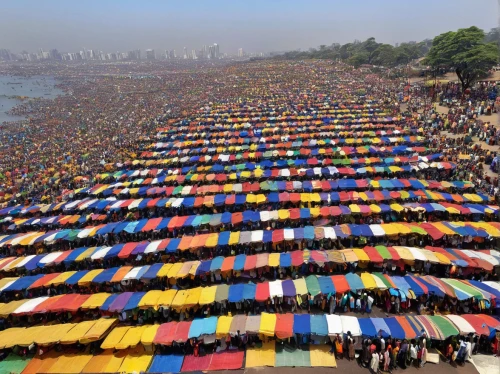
x=282, y=326
x=409, y=286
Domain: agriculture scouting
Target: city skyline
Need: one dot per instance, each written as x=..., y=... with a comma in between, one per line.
x=283, y=26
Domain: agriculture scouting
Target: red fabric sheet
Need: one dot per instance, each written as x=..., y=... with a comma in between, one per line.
x=164, y=333
x=46, y=278
x=262, y=292
x=181, y=332
x=284, y=325
x=192, y=363
x=231, y=360
x=340, y=283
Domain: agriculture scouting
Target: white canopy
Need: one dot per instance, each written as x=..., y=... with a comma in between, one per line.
x=275, y=288
x=350, y=324
x=461, y=323
x=334, y=324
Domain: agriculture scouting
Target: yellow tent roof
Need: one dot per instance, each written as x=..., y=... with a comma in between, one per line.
x=193, y=296
x=368, y=281
x=95, y=301
x=7, y=336
x=444, y=229
x=77, y=332
x=166, y=298
x=267, y=324
x=163, y=272
x=174, y=269
x=404, y=253
x=180, y=299
x=212, y=240
x=97, y=331
x=234, y=238
x=362, y=256
x=57, y=332
x=89, y=277
x=28, y=336
x=300, y=286
x=149, y=334
x=71, y=363
x=150, y=299
x=274, y=259
x=10, y=307
x=396, y=207
x=207, y=295
x=98, y=363
x=114, y=337
x=131, y=338
x=283, y=214
x=223, y=326
x=430, y=256
x=389, y=229
x=402, y=229
x=136, y=361
x=61, y=278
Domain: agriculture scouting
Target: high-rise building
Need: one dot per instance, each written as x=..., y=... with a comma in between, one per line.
x=150, y=54
x=217, y=52
x=193, y=54
x=240, y=52
x=185, y=53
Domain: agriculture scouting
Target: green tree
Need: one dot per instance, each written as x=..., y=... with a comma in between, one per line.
x=466, y=52
x=384, y=55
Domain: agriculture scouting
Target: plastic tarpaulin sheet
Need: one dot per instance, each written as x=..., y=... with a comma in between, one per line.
x=259, y=357
x=355, y=282
x=171, y=363
x=267, y=324
x=228, y=360
x=284, y=325
x=296, y=358
x=302, y=324
x=319, y=325
x=367, y=327
x=320, y=356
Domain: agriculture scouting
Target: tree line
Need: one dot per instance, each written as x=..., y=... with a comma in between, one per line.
x=469, y=52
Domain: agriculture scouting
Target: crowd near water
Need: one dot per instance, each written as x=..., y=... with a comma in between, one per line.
x=169, y=217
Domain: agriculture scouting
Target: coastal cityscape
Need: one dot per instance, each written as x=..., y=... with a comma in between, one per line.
x=315, y=191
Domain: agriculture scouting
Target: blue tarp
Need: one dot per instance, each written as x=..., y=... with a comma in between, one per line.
x=108, y=301
x=239, y=262
x=326, y=285
x=105, y=276
x=23, y=282
x=249, y=291
x=395, y=328
x=417, y=290
x=166, y=364
x=224, y=238
x=216, y=263
x=285, y=260
x=487, y=288
x=319, y=326
x=401, y=284
x=203, y=326
x=113, y=252
x=301, y=324
x=172, y=245
x=32, y=264
x=133, y=302
x=235, y=293
x=204, y=267
x=367, y=327
x=152, y=271
x=354, y=281
x=381, y=327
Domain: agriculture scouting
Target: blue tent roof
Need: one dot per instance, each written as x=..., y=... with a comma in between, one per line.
x=216, y=263
x=395, y=328
x=224, y=238
x=172, y=245
x=32, y=264
x=381, y=327
x=326, y=285
x=134, y=300
x=417, y=290
x=309, y=232
x=106, y=275
x=249, y=291
x=486, y=288
x=285, y=260
x=367, y=327
x=319, y=326
x=108, y=301
x=235, y=293
x=204, y=267
x=302, y=323
x=354, y=281
x=432, y=288
x=23, y=282
x=239, y=262
x=152, y=271
x=113, y=252
x=267, y=237
x=202, y=326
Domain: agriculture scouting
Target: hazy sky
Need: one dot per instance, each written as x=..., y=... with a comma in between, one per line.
x=254, y=25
